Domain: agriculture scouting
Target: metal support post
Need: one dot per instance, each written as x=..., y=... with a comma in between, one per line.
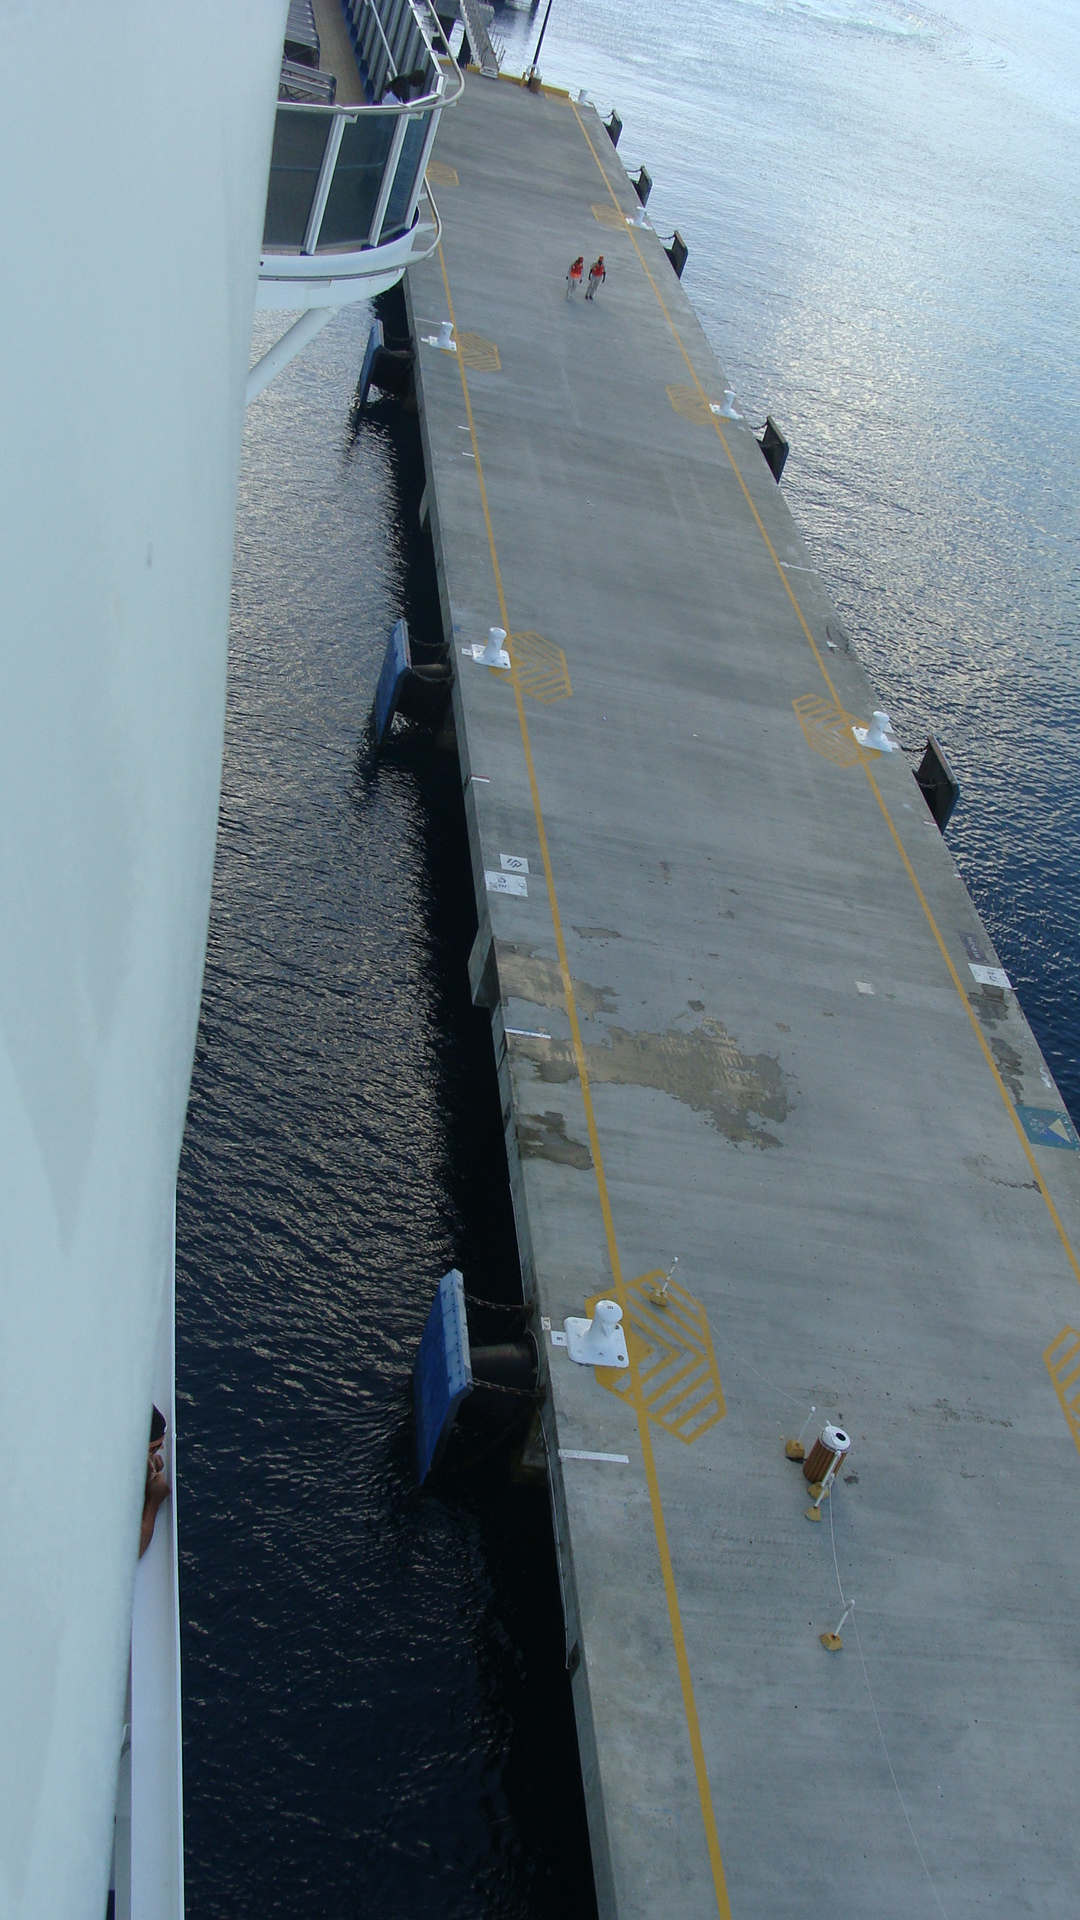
x=292, y=342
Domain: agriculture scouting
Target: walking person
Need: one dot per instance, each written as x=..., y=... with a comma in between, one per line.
x=573, y=278
x=597, y=276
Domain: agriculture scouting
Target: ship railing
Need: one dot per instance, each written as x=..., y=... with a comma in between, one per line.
x=348, y=179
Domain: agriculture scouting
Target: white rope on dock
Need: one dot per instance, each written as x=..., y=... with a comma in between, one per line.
x=877, y=1721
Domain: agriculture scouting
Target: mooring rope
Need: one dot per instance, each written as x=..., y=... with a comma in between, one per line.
x=877, y=1720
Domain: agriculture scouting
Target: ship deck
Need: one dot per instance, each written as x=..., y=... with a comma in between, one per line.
x=336, y=54
x=736, y=1020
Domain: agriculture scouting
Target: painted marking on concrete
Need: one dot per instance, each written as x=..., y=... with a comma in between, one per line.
x=827, y=729
x=1048, y=1127
x=609, y=217
x=515, y=883
x=680, y=1380
x=478, y=354
x=690, y=403
x=1062, y=1359
x=954, y=976
x=990, y=976
x=442, y=176
x=580, y=1453
x=542, y=668
x=526, y=1033
x=513, y=863
x=656, y=1505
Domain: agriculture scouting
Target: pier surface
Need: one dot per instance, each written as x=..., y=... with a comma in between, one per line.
x=736, y=1020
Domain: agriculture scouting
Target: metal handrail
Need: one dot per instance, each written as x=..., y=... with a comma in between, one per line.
x=428, y=251
x=385, y=41
x=422, y=103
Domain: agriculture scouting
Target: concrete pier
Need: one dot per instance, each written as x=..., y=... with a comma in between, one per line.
x=744, y=1013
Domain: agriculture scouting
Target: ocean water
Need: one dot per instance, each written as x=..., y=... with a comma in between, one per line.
x=880, y=207
x=377, y=1716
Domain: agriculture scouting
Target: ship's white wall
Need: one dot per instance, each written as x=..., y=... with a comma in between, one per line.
x=134, y=146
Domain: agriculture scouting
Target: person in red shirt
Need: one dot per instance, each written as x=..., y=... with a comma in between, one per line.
x=597, y=276
x=573, y=278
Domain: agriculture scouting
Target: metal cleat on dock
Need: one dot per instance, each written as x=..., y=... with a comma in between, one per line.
x=878, y=737
x=599, y=1342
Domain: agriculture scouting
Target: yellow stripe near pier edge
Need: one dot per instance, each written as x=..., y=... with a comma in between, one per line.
x=823, y=669
x=644, y=1435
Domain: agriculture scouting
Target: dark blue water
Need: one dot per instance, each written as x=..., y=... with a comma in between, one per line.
x=880, y=206
x=377, y=1716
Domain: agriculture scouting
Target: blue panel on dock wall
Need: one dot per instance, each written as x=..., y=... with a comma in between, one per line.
x=395, y=666
x=442, y=1374
x=375, y=341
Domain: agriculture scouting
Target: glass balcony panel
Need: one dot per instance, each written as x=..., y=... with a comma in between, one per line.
x=299, y=144
x=365, y=147
x=401, y=193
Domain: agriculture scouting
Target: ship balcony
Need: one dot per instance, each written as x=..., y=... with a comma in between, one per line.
x=363, y=83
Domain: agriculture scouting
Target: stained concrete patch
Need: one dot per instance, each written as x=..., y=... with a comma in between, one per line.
x=1010, y=1066
x=942, y=1412
x=597, y=933
x=704, y=1069
x=543, y=1136
x=525, y=974
x=990, y=1006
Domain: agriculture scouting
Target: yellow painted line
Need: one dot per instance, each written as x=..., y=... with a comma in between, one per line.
x=867, y=768
x=693, y=1387
x=668, y=1386
x=682, y=1660
x=1053, y=1368
x=669, y=1326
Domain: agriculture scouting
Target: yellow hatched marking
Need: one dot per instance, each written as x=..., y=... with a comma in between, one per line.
x=674, y=1360
x=478, y=354
x=541, y=667
x=1060, y=1358
x=828, y=729
x=690, y=403
x=609, y=217
x=442, y=176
